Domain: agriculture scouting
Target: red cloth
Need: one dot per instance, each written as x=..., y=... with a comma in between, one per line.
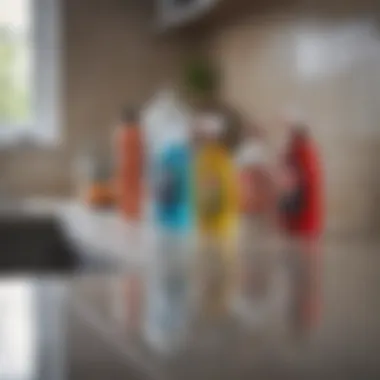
x=309, y=222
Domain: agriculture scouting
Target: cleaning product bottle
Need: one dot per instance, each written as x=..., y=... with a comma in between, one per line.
x=217, y=210
x=129, y=165
x=92, y=172
x=216, y=182
x=257, y=202
x=167, y=130
x=254, y=178
x=173, y=206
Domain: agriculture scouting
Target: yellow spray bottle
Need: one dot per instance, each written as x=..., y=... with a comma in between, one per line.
x=216, y=208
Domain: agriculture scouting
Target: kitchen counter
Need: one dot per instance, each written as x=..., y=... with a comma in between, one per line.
x=169, y=311
x=165, y=321
x=161, y=321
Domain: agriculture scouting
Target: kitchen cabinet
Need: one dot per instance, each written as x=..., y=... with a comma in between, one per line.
x=175, y=13
x=202, y=15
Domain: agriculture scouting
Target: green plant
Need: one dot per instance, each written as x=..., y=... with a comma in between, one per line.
x=201, y=78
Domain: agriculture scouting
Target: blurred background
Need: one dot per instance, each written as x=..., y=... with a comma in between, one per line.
x=320, y=57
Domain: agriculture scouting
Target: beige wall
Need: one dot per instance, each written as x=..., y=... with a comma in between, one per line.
x=328, y=67
x=111, y=57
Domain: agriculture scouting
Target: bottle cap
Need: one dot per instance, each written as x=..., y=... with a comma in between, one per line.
x=211, y=125
x=252, y=153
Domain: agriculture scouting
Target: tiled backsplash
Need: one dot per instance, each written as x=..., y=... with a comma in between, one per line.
x=335, y=82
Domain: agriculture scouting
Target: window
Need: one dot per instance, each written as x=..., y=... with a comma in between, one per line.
x=29, y=68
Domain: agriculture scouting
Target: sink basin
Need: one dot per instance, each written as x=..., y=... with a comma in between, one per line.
x=32, y=243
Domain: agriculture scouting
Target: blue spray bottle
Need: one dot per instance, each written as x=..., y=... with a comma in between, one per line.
x=173, y=208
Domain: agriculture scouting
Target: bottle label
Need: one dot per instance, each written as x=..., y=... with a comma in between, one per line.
x=255, y=191
x=169, y=187
x=211, y=196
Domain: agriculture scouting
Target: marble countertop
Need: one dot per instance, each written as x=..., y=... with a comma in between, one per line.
x=172, y=312
x=186, y=323
x=166, y=321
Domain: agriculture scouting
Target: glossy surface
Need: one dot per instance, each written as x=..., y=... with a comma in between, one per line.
x=96, y=326
x=292, y=315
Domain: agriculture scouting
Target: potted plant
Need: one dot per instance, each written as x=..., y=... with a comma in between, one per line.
x=202, y=83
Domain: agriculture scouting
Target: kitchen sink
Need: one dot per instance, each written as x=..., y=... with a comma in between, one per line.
x=33, y=244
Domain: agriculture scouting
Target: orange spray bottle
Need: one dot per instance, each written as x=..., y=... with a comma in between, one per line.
x=129, y=166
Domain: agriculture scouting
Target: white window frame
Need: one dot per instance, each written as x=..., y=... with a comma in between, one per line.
x=46, y=75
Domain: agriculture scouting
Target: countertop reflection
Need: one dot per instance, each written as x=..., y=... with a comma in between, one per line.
x=211, y=314
x=32, y=329
x=207, y=314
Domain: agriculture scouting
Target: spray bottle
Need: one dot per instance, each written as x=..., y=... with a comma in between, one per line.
x=217, y=210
